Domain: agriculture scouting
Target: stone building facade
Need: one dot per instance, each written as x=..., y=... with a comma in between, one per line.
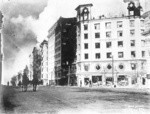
x=110, y=51
x=44, y=62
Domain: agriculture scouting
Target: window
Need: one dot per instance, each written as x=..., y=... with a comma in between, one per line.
x=108, y=44
x=119, y=24
x=86, y=46
x=97, y=45
x=98, y=67
x=85, y=36
x=97, y=35
x=120, y=54
x=109, y=66
x=108, y=34
x=143, y=54
x=132, y=32
x=142, y=43
x=120, y=43
x=86, y=56
x=97, y=26
x=133, y=66
x=133, y=54
x=142, y=23
x=120, y=33
x=132, y=23
x=86, y=27
x=132, y=42
x=108, y=25
x=97, y=55
x=108, y=55
x=121, y=66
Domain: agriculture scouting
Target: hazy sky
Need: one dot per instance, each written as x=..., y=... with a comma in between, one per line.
x=26, y=22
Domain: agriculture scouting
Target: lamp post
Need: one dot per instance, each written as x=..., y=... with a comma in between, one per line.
x=113, y=69
x=68, y=75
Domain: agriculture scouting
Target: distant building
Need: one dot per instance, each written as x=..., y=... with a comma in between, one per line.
x=61, y=49
x=110, y=51
x=44, y=62
x=36, y=63
x=1, y=54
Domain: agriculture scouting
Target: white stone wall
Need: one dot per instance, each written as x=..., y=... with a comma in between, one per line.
x=44, y=65
x=104, y=61
x=51, y=58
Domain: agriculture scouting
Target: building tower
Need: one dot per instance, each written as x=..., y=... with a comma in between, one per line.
x=134, y=10
x=1, y=55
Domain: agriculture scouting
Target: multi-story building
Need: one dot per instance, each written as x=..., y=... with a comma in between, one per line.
x=1, y=21
x=44, y=62
x=110, y=51
x=61, y=49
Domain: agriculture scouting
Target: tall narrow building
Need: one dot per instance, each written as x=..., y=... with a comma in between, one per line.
x=61, y=49
x=1, y=53
x=44, y=62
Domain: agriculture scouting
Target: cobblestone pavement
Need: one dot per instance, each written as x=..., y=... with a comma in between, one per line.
x=66, y=100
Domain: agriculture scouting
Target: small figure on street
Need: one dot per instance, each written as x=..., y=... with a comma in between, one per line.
x=80, y=83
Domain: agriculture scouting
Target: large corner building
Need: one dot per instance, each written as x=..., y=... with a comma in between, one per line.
x=110, y=51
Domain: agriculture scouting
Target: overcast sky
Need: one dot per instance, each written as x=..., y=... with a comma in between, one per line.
x=26, y=22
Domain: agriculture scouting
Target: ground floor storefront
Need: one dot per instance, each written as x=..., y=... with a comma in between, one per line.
x=115, y=80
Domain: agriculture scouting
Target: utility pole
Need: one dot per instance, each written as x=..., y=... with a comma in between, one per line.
x=113, y=70
x=69, y=75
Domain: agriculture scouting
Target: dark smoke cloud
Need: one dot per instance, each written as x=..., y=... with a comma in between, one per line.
x=17, y=36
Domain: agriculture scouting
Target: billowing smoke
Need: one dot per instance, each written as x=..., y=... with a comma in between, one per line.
x=19, y=36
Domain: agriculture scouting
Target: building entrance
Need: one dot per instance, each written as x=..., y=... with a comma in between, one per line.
x=97, y=80
x=86, y=81
x=109, y=81
x=143, y=81
x=122, y=80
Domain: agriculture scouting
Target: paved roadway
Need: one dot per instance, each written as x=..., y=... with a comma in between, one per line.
x=66, y=100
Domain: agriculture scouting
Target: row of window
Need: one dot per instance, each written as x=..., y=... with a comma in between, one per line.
x=108, y=34
x=57, y=43
x=109, y=55
x=119, y=25
x=109, y=66
x=109, y=44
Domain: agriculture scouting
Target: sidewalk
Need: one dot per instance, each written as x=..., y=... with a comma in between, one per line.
x=130, y=90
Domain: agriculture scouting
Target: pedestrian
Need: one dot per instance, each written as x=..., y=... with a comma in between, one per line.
x=90, y=82
x=80, y=83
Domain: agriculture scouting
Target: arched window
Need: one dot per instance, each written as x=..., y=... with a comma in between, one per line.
x=85, y=14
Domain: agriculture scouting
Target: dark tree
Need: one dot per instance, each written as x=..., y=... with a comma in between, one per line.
x=25, y=79
x=13, y=81
x=36, y=67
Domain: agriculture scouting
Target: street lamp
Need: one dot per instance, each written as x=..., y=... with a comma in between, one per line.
x=113, y=69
